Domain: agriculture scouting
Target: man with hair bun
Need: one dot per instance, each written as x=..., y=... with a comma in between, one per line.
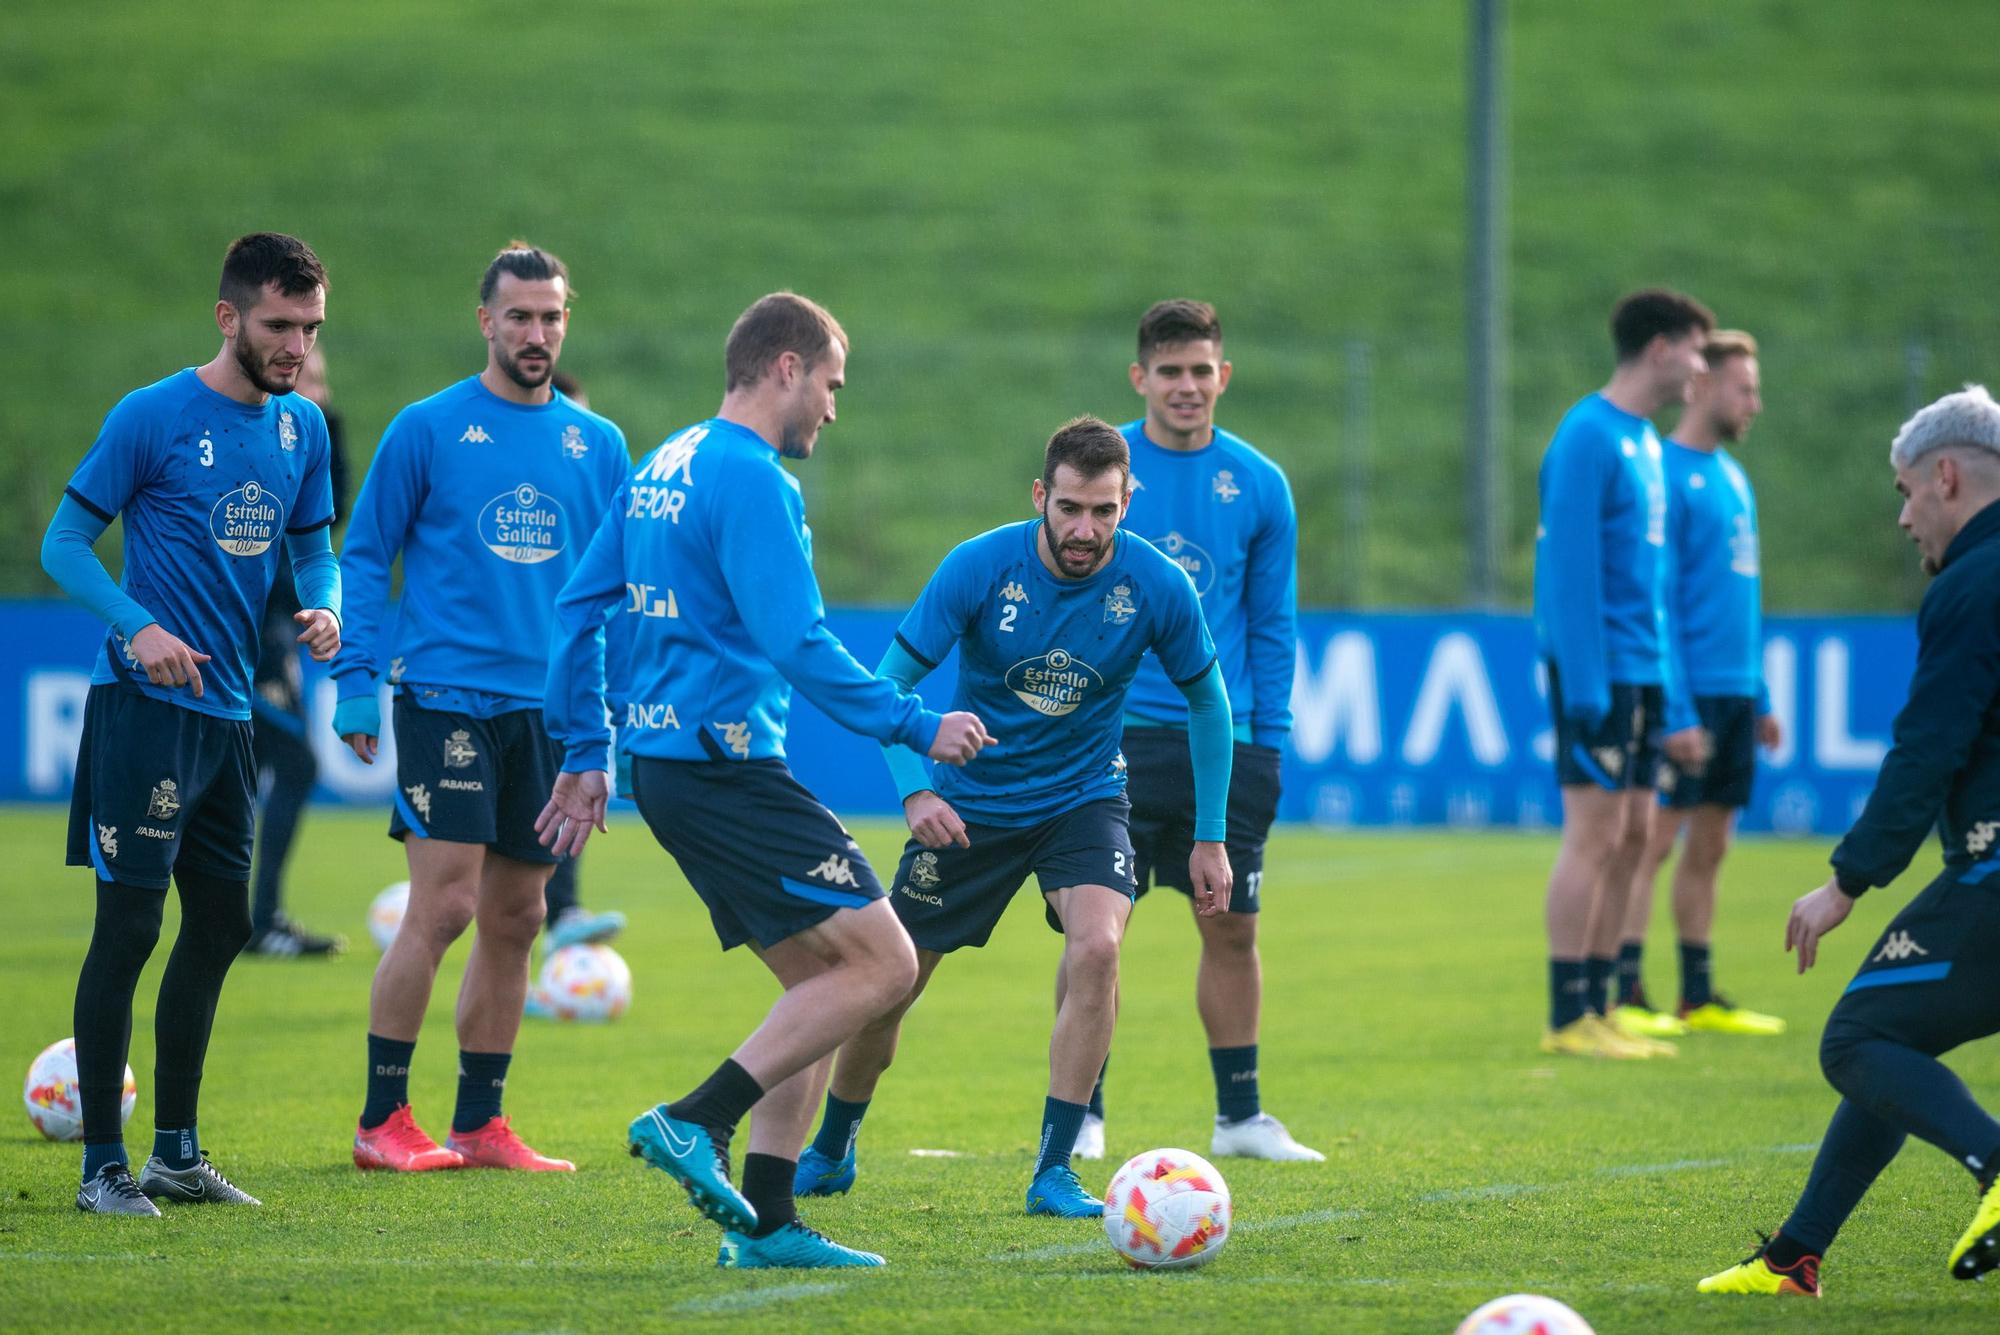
x=1927, y=985
x=489, y=489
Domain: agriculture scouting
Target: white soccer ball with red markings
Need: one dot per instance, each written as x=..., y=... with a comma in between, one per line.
x=1167, y=1210
x=1524, y=1314
x=385, y=914
x=587, y=982
x=54, y=1105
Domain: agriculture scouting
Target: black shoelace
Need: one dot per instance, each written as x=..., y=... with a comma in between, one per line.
x=117, y=1180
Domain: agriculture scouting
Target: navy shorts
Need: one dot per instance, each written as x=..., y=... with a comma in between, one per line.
x=1731, y=721
x=1159, y=781
x=1928, y=982
x=952, y=897
x=1622, y=751
x=766, y=858
x=160, y=788
x=473, y=780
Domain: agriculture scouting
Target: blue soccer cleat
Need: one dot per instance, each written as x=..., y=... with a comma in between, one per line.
x=792, y=1247
x=1056, y=1191
x=578, y=926
x=818, y=1175
x=685, y=1152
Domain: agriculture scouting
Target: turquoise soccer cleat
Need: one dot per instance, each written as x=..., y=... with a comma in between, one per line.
x=1056, y=1191
x=818, y=1175
x=792, y=1247
x=580, y=927
x=686, y=1153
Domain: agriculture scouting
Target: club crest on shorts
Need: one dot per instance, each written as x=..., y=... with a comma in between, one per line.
x=1118, y=605
x=924, y=870
x=458, y=750
x=166, y=803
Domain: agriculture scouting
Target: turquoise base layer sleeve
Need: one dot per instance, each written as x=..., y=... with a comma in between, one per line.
x=315, y=570
x=1211, y=746
x=68, y=556
x=906, y=767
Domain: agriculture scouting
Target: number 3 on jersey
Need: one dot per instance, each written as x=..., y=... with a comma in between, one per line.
x=207, y=452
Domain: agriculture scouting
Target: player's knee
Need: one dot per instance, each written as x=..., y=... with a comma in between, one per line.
x=1092, y=957
x=513, y=923
x=893, y=975
x=1230, y=936
x=1840, y=1045
x=441, y=914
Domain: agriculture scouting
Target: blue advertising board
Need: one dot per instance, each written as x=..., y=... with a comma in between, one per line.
x=1400, y=719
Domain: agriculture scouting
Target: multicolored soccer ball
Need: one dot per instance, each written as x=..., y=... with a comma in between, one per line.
x=54, y=1105
x=385, y=914
x=1524, y=1314
x=586, y=982
x=1167, y=1210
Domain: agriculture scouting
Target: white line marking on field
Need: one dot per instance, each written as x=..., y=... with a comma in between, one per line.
x=1648, y=1169
x=737, y=1302
x=936, y=1154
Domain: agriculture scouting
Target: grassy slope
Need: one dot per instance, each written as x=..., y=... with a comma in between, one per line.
x=1405, y=986
x=988, y=195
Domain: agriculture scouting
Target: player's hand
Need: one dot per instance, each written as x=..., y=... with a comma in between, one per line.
x=933, y=821
x=167, y=661
x=357, y=720
x=575, y=808
x=959, y=738
x=1211, y=877
x=1813, y=916
x=1770, y=732
x=321, y=634
x=1689, y=748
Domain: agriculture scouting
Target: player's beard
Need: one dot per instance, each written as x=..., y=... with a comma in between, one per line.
x=527, y=379
x=1098, y=557
x=257, y=370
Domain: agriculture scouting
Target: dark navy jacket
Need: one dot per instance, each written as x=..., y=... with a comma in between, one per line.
x=1944, y=768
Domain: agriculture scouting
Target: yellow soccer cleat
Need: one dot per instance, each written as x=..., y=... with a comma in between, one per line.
x=1648, y=1047
x=1755, y=1274
x=1978, y=1249
x=1639, y=1022
x=1719, y=1017
x=1590, y=1036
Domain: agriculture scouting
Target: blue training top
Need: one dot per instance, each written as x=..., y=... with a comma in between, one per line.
x=1224, y=513
x=1715, y=604
x=490, y=503
x=706, y=561
x=1046, y=664
x=209, y=487
x=1601, y=557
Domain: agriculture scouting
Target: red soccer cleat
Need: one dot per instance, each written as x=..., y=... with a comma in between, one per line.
x=496, y=1146
x=401, y=1146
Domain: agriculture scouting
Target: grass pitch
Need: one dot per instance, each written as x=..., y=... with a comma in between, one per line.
x=1404, y=977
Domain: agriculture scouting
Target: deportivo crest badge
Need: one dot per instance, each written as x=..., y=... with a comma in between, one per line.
x=1226, y=489
x=924, y=870
x=574, y=446
x=166, y=803
x=288, y=431
x=458, y=752
x=1118, y=605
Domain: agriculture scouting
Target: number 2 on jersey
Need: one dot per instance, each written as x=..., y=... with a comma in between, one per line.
x=1007, y=614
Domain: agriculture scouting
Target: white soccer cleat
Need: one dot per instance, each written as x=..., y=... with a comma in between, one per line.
x=1259, y=1137
x=1089, y=1138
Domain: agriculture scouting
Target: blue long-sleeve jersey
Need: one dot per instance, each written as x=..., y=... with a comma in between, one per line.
x=1224, y=513
x=706, y=560
x=210, y=489
x=1601, y=557
x=1943, y=770
x=1715, y=617
x=490, y=503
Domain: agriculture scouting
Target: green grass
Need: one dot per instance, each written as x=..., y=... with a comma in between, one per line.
x=1405, y=994
x=989, y=194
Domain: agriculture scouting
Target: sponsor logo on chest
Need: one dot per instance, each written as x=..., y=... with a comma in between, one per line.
x=526, y=526
x=1054, y=683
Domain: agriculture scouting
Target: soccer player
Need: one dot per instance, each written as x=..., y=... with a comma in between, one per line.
x=1927, y=985
x=489, y=489
x=286, y=766
x=1715, y=633
x=1208, y=499
x=1600, y=566
x=218, y=470
x=706, y=561
x=1050, y=617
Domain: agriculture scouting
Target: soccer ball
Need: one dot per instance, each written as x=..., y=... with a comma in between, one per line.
x=54, y=1105
x=587, y=982
x=1167, y=1210
x=385, y=913
x=1524, y=1314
